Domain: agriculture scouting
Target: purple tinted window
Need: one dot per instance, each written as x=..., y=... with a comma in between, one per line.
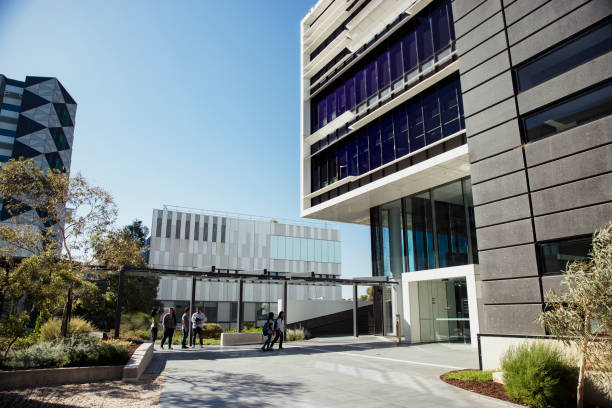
x=400, y=129
x=375, y=150
x=431, y=111
x=322, y=115
x=415, y=126
x=360, y=87
x=386, y=135
x=395, y=56
x=349, y=87
x=351, y=152
x=409, y=51
x=424, y=39
x=340, y=100
x=364, y=157
x=342, y=163
x=384, y=74
x=371, y=79
x=331, y=107
x=314, y=177
x=441, y=28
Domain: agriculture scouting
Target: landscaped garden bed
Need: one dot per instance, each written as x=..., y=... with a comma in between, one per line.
x=477, y=381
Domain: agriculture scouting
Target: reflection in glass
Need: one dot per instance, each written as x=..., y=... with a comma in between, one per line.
x=556, y=255
x=419, y=232
x=451, y=228
x=443, y=310
x=392, y=238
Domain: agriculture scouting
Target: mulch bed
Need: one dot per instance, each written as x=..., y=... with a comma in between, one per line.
x=488, y=388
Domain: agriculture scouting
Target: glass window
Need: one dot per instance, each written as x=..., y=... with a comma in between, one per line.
x=375, y=148
x=386, y=134
x=322, y=113
x=392, y=238
x=282, y=246
x=364, y=157
x=331, y=107
x=273, y=247
x=338, y=252
x=384, y=73
x=567, y=114
x=249, y=311
x=451, y=225
x=565, y=56
x=449, y=108
x=409, y=51
x=424, y=39
x=469, y=202
x=371, y=79
x=351, y=152
x=303, y=249
x=400, y=130
x=210, y=311
x=415, y=127
x=223, y=311
x=350, y=94
x=555, y=255
x=360, y=87
x=324, y=251
x=431, y=114
x=340, y=100
x=441, y=28
x=396, y=64
x=419, y=232
x=318, y=251
x=342, y=163
x=311, y=250
x=288, y=248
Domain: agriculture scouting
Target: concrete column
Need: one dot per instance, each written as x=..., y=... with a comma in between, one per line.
x=285, y=286
x=118, y=306
x=192, y=308
x=395, y=241
x=355, y=306
x=240, y=295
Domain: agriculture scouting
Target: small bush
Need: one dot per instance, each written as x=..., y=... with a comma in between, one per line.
x=244, y=330
x=539, y=375
x=212, y=331
x=51, y=329
x=297, y=334
x=469, y=375
x=136, y=334
x=135, y=321
x=41, y=355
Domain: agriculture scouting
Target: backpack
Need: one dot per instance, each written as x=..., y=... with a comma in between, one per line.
x=266, y=329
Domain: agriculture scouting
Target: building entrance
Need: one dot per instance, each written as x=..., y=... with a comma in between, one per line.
x=443, y=311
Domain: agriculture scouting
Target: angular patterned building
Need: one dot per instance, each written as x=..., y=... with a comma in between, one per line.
x=36, y=121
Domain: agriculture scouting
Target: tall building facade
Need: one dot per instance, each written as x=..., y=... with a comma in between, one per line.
x=473, y=137
x=37, y=118
x=191, y=240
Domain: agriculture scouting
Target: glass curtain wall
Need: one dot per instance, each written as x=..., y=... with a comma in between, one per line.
x=443, y=310
x=428, y=230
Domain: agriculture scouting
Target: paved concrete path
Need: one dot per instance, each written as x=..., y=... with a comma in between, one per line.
x=323, y=372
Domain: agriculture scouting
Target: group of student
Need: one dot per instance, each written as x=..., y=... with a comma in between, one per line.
x=169, y=323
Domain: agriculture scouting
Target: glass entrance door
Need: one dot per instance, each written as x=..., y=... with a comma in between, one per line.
x=443, y=311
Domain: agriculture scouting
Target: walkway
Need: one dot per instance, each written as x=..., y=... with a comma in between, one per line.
x=323, y=372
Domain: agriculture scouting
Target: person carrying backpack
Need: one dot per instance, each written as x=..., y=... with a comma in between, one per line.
x=279, y=326
x=268, y=330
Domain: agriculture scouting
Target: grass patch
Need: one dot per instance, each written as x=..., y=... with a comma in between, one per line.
x=469, y=375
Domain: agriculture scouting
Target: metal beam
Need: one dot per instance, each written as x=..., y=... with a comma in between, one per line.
x=240, y=309
x=285, y=307
x=119, y=301
x=355, y=306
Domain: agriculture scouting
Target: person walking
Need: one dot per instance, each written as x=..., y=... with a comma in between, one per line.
x=154, y=324
x=197, y=321
x=268, y=330
x=279, y=327
x=168, y=325
x=185, y=323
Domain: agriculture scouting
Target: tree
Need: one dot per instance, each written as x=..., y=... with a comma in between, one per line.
x=70, y=210
x=368, y=296
x=581, y=316
x=139, y=231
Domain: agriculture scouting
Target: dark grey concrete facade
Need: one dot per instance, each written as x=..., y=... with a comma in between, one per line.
x=527, y=193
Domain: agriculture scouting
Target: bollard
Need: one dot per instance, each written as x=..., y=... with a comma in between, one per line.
x=397, y=329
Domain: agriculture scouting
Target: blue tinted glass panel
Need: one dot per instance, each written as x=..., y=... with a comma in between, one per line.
x=396, y=63
x=424, y=39
x=371, y=79
x=331, y=107
x=409, y=50
x=5, y=132
x=400, y=129
x=311, y=250
x=375, y=148
x=451, y=225
x=318, y=250
x=573, y=112
x=419, y=232
x=351, y=151
x=273, y=247
x=9, y=107
x=281, y=248
x=360, y=87
x=431, y=113
x=384, y=73
x=449, y=107
x=350, y=94
x=340, y=100
x=322, y=113
x=556, y=255
x=441, y=28
x=364, y=157
x=565, y=57
x=342, y=163
x=386, y=135
x=415, y=127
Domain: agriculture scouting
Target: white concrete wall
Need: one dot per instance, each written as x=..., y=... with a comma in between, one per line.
x=308, y=309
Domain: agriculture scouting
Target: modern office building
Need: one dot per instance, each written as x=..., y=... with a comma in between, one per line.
x=185, y=239
x=473, y=137
x=37, y=119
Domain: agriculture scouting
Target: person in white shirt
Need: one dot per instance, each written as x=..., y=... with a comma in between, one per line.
x=280, y=328
x=198, y=319
x=185, y=322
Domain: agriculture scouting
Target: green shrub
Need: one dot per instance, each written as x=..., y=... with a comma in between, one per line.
x=135, y=321
x=538, y=374
x=212, y=331
x=43, y=354
x=245, y=330
x=51, y=329
x=136, y=334
x=297, y=334
x=469, y=375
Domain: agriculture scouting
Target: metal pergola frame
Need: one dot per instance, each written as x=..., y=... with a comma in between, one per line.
x=241, y=276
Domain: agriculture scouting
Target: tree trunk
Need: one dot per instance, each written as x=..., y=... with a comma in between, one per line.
x=580, y=389
x=67, y=313
x=9, y=348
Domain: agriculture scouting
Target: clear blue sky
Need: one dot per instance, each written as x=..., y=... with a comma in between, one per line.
x=192, y=103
